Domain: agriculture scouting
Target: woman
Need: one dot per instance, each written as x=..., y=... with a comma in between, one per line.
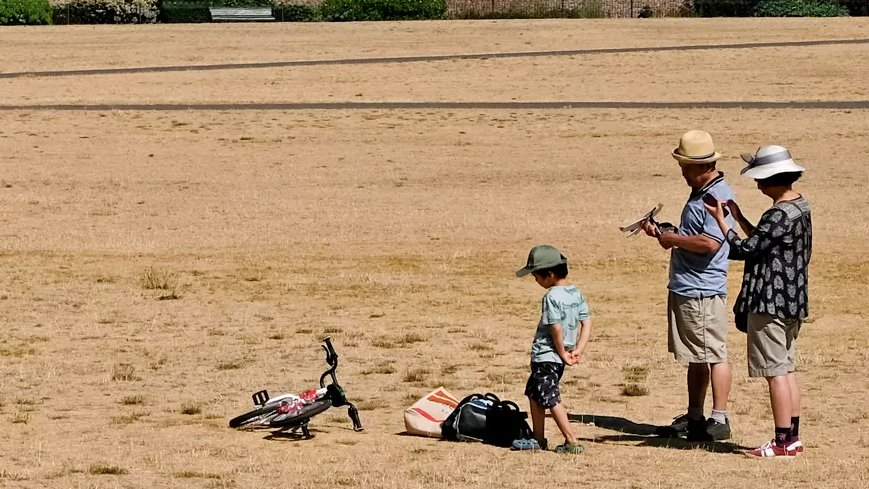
x=774, y=293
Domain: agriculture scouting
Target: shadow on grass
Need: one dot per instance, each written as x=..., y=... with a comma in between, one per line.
x=290, y=435
x=650, y=435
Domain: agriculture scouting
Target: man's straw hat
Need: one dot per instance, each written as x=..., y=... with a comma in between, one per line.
x=696, y=147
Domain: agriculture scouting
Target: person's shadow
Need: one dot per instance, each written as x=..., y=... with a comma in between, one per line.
x=650, y=435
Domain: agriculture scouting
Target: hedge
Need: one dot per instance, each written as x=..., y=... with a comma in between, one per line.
x=193, y=11
x=106, y=12
x=724, y=8
x=351, y=10
x=184, y=12
x=799, y=8
x=296, y=13
x=25, y=12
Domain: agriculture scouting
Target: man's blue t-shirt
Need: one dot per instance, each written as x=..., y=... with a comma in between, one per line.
x=696, y=274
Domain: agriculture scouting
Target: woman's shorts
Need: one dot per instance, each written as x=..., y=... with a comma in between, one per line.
x=697, y=328
x=542, y=386
x=771, y=345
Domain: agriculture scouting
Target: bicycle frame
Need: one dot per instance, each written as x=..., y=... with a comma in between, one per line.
x=293, y=412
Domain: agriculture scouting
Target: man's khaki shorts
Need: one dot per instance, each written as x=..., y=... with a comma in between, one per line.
x=698, y=328
x=771, y=345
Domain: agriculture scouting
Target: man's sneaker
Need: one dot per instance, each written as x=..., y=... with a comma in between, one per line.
x=795, y=446
x=712, y=431
x=771, y=450
x=681, y=426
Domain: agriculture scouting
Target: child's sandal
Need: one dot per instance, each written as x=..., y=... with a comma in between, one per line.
x=528, y=444
x=573, y=448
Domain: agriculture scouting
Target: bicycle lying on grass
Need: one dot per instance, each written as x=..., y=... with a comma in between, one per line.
x=291, y=412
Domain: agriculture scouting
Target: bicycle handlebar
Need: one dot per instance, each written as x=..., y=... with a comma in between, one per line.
x=330, y=350
x=331, y=360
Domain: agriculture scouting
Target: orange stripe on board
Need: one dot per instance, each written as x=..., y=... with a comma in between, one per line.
x=426, y=415
x=443, y=398
x=443, y=393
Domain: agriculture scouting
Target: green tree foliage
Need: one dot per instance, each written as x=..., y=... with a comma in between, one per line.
x=25, y=12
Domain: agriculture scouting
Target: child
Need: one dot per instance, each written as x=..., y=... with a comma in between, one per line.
x=564, y=313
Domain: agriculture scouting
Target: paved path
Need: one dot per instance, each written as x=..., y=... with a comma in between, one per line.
x=830, y=105
x=419, y=59
x=285, y=106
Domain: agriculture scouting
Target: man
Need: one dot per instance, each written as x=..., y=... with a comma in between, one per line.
x=696, y=306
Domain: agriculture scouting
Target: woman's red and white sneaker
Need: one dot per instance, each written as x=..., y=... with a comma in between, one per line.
x=771, y=450
x=795, y=446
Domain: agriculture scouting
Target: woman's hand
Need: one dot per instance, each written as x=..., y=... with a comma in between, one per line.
x=734, y=208
x=717, y=211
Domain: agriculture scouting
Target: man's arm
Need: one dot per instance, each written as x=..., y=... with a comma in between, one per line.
x=698, y=243
x=558, y=341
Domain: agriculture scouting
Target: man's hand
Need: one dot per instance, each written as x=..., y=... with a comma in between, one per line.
x=667, y=240
x=651, y=229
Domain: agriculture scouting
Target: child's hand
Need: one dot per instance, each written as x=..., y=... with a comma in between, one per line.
x=570, y=359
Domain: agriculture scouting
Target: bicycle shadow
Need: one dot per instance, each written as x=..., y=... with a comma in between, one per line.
x=295, y=435
x=291, y=436
x=650, y=435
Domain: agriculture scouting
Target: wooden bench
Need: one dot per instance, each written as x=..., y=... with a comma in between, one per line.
x=232, y=14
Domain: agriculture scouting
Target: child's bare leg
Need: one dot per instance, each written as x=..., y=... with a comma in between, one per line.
x=538, y=417
x=559, y=414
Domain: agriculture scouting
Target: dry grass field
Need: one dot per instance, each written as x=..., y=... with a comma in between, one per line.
x=397, y=233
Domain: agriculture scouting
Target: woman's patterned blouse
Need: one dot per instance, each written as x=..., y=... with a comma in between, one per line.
x=776, y=255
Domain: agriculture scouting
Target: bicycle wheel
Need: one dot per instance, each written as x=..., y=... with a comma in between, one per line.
x=252, y=416
x=307, y=412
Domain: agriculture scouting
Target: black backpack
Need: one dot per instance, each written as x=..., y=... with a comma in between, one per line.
x=488, y=419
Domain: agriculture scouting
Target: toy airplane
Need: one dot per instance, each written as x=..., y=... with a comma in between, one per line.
x=637, y=226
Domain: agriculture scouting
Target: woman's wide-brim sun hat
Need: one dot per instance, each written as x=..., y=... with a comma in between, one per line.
x=768, y=161
x=696, y=147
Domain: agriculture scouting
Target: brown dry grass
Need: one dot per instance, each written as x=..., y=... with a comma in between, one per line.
x=395, y=232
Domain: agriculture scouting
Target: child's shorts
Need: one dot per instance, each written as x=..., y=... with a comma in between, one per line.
x=542, y=386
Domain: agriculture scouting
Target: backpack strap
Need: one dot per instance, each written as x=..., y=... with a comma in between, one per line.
x=492, y=397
